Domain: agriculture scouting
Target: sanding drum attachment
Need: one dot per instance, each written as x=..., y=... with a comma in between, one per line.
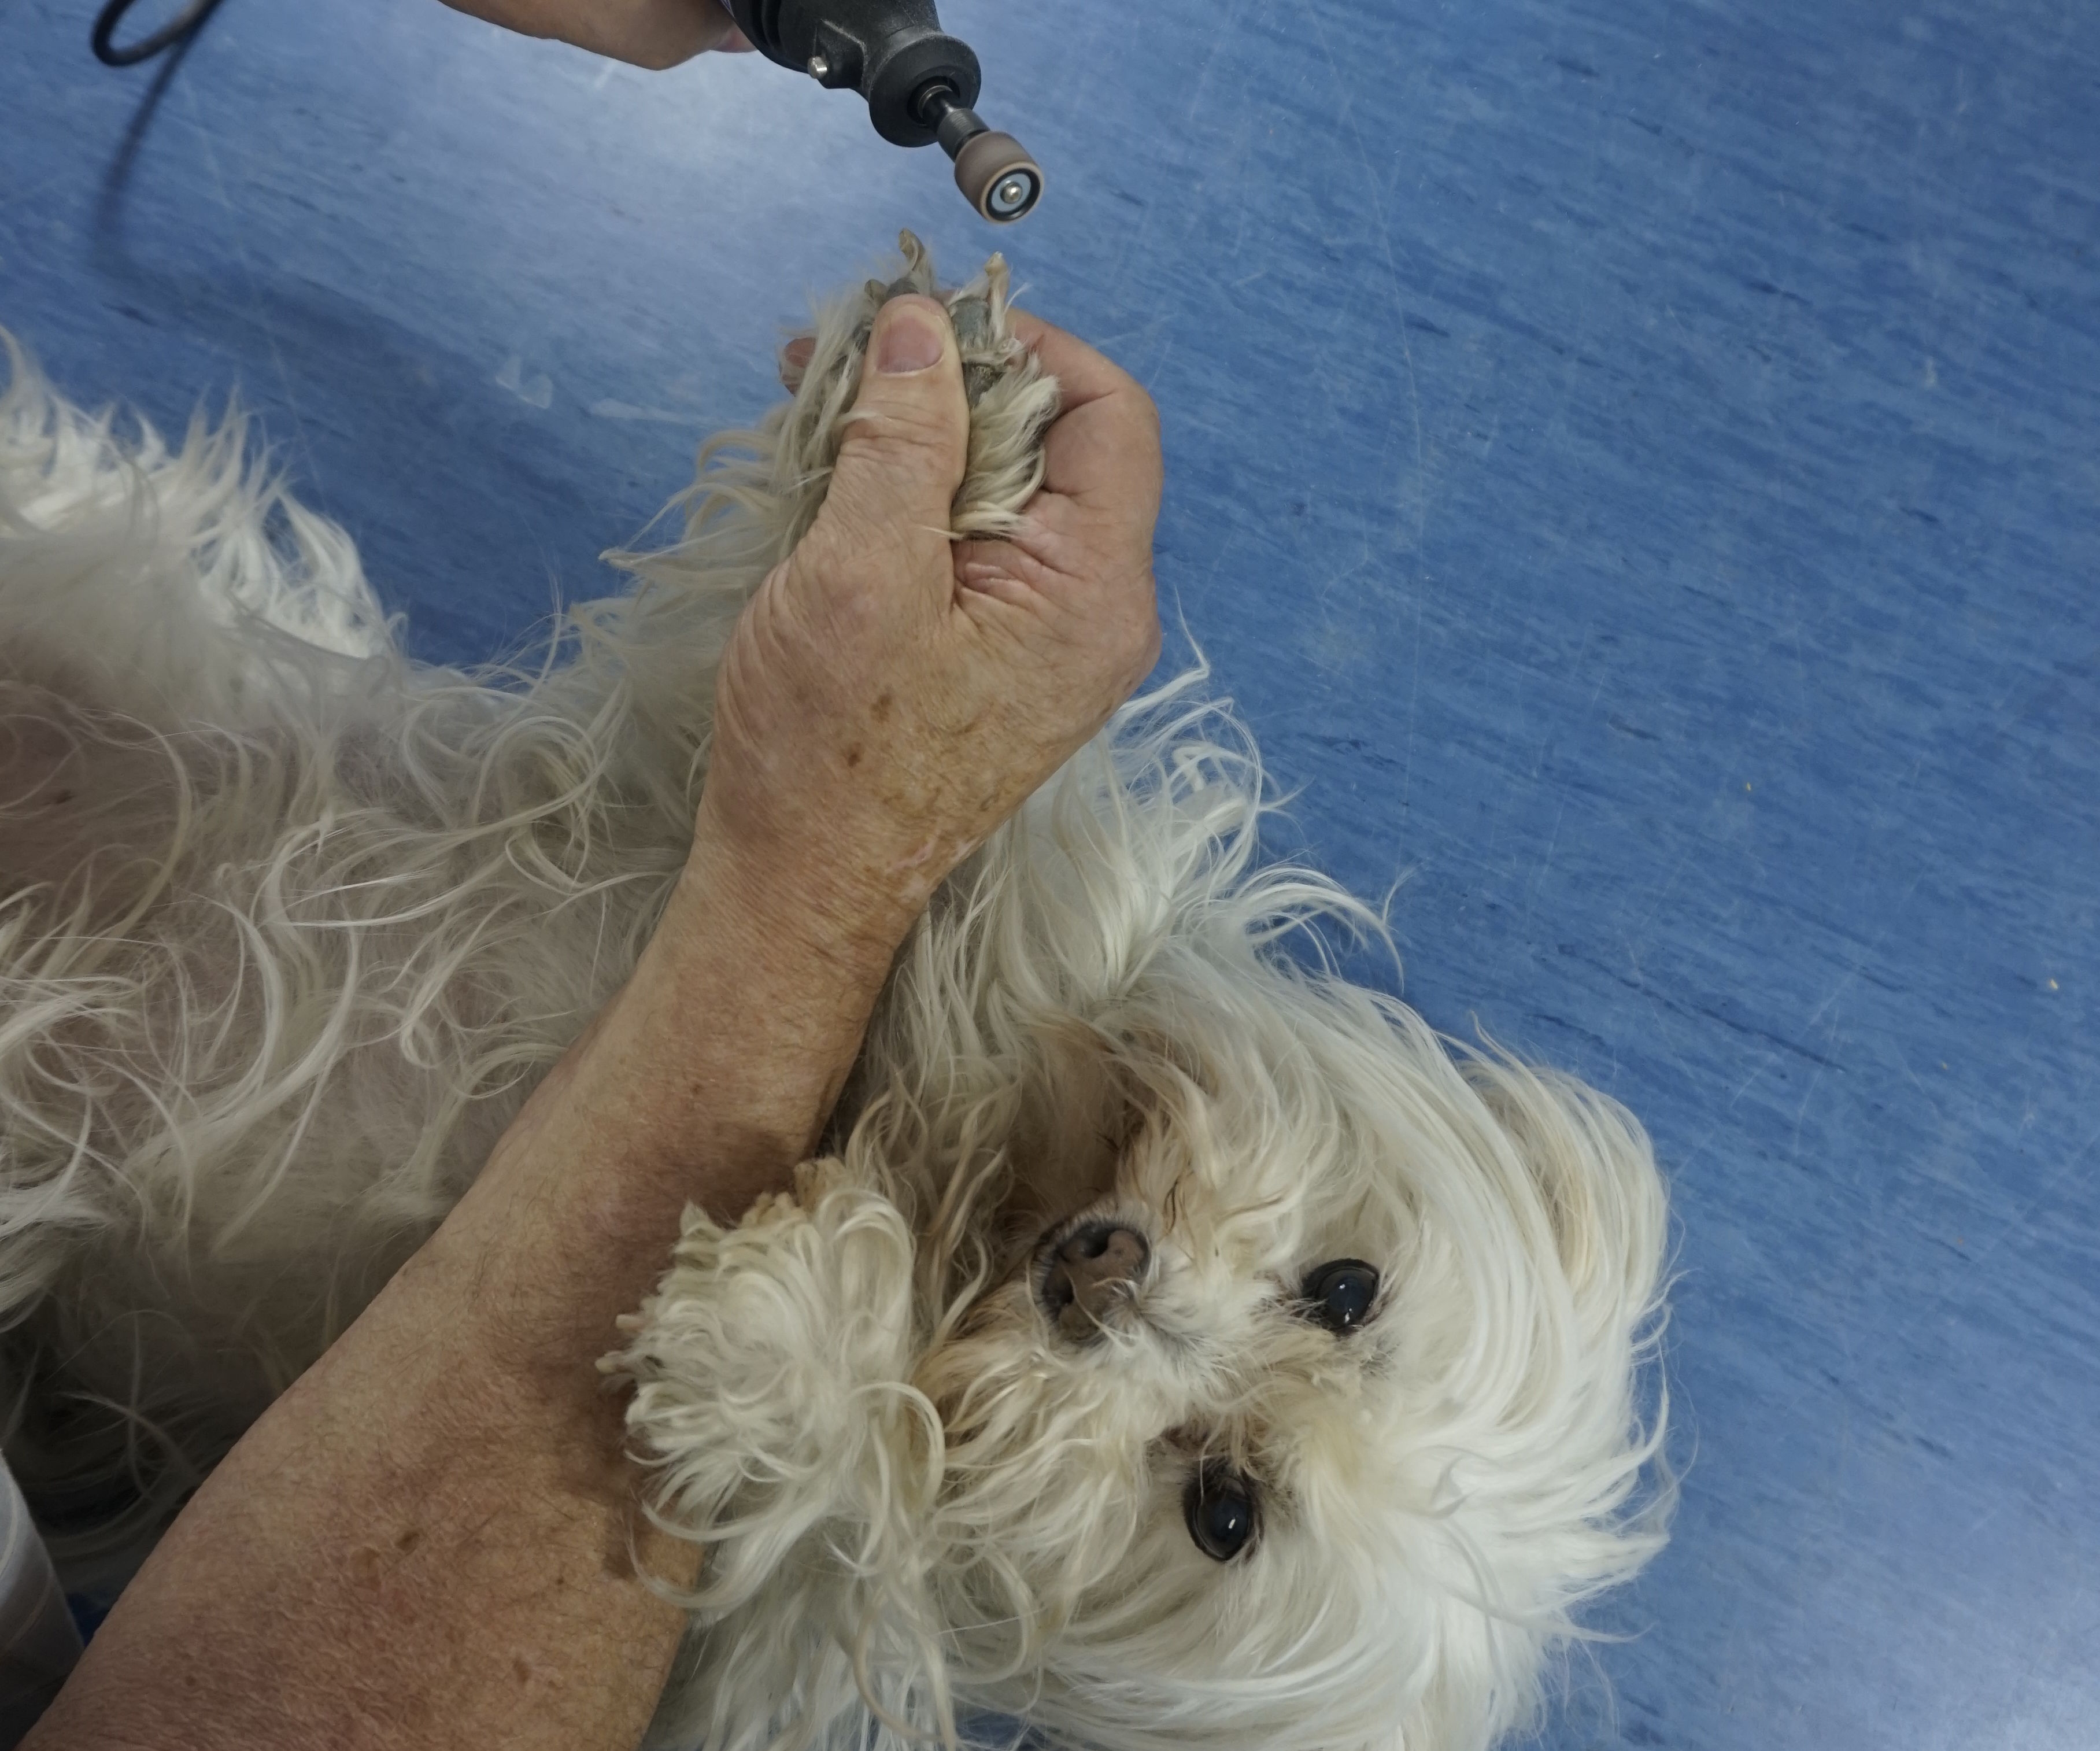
x=998, y=177
x=994, y=170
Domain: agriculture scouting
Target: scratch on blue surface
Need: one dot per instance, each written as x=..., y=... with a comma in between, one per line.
x=2019, y=1221
x=1346, y=112
x=257, y=306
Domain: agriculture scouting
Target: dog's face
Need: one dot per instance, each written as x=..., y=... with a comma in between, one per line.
x=1305, y=1418
x=1208, y=1357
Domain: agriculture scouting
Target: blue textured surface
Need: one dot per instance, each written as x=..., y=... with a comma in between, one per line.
x=1635, y=466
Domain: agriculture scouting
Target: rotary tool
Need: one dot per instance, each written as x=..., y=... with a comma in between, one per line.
x=919, y=82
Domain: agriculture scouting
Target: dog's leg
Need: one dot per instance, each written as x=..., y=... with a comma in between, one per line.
x=774, y=1419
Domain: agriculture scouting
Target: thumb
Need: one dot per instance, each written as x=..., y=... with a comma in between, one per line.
x=902, y=452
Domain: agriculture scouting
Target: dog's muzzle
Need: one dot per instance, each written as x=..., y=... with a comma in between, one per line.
x=1089, y=1274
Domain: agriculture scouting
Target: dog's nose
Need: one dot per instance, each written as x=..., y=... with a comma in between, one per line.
x=1090, y=1272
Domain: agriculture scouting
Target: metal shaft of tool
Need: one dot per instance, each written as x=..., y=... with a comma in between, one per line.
x=919, y=82
x=995, y=171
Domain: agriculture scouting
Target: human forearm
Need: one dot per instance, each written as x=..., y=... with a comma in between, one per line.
x=451, y=1468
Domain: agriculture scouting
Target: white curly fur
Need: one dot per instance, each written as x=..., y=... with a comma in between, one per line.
x=290, y=926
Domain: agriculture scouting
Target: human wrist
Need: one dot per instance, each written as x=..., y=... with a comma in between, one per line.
x=714, y=1070
x=845, y=908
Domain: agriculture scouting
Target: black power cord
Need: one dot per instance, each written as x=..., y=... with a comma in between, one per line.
x=111, y=53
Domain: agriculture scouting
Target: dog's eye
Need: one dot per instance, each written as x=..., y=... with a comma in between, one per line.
x=1221, y=1511
x=1340, y=1292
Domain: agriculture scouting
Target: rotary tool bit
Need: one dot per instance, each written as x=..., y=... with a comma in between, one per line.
x=919, y=82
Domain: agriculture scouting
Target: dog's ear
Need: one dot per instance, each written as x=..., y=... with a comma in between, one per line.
x=1593, y=1171
x=776, y=1429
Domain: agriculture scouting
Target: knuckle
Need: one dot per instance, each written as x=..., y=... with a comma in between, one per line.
x=1138, y=410
x=1144, y=645
x=1145, y=409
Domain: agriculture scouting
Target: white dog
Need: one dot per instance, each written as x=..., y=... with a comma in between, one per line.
x=1179, y=1346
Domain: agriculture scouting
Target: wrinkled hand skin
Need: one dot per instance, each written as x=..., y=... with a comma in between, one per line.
x=890, y=696
x=652, y=34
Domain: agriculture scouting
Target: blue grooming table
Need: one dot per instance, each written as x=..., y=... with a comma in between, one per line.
x=1637, y=467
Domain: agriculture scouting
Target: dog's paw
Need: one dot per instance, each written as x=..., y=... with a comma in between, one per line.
x=814, y=1181
x=769, y=1376
x=1012, y=400
x=818, y=1179
x=774, y=1208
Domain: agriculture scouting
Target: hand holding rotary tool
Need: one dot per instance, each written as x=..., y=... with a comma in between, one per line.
x=919, y=82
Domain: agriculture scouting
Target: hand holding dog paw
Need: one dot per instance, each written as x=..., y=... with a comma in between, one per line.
x=891, y=695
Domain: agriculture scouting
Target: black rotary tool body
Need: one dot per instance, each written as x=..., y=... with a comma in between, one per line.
x=919, y=83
